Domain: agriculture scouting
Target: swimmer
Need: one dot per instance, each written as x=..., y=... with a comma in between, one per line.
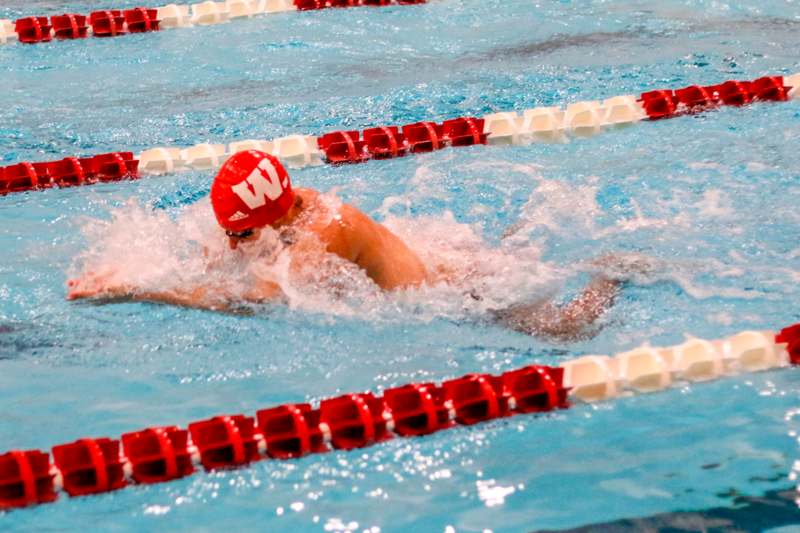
x=252, y=191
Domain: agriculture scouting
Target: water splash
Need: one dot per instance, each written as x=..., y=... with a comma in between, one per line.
x=154, y=251
x=157, y=250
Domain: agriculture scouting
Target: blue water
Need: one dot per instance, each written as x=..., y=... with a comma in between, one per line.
x=711, y=198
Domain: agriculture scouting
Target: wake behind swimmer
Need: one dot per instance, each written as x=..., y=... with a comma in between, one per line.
x=252, y=198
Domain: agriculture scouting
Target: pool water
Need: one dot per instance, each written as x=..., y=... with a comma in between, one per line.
x=710, y=199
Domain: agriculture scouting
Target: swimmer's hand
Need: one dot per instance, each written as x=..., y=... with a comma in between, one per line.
x=95, y=285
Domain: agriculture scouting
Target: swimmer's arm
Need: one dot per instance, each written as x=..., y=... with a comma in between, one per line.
x=565, y=323
x=386, y=259
x=263, y=291
x=212, y=298
x=198, y=298
x=597, y=297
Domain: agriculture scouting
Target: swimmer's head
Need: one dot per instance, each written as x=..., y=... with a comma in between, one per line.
x=251, y=190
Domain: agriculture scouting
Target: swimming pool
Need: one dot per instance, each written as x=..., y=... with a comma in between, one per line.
x=712, y=197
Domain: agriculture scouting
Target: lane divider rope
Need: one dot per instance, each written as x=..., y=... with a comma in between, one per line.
x=115, y=22
x=160, y=454
x=541, y=124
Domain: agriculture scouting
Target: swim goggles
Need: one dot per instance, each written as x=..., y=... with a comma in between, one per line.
x=239, y=234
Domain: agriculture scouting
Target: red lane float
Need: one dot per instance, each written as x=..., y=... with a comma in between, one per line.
x=386, y=142
x=659, y=104
x=791, y=336
x=104, y=23
x=342, y=147
x=90, y=466
x=667, y=103
x=464, y=131
x=114, y=22
x=140, y=19
x=158, y=454
x=20, y=177
x=226, y=441
x=109, y=23
x=32, y=30
x=291, y=431
x=417, y=409
x=770, y=89
x=26, y=479
x=383, y=142
x=350, y=421
x=308, y=5
x=423, y=136
x=695, y=97
x=535, y=389
x=70, y=26
x=115, y=166
x=474, y=399
x=68, y=171
x=355, y=420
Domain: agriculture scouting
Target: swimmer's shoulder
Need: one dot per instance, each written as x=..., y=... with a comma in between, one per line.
x=348, y=213
x=358, y=223
x=308, y=195
x=313, y=212
x=347, y=223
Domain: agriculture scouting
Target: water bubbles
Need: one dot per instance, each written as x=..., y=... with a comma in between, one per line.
x=492, y=494
x=337, y=525
x=156, y=510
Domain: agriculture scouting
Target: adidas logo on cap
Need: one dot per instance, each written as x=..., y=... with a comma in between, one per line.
x=238, y=215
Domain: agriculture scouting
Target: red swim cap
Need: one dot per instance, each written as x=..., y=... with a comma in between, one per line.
x=251, y=190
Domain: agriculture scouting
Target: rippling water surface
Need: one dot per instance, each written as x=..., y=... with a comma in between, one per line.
x=711, y=198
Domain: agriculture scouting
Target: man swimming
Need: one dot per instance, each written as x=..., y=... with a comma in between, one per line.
x=252, y=191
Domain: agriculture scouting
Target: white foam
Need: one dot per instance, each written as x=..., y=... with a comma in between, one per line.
x=715, y=204
x=500, y=275
x=552, y=207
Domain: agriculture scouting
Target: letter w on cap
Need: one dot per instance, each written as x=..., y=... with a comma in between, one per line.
x=265, y=184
